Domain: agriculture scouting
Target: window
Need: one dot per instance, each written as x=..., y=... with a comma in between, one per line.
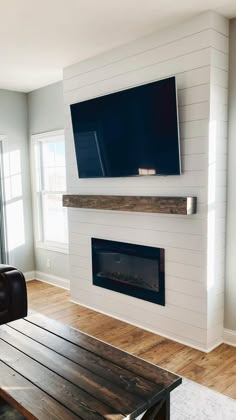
x=49, y=173
x=12, y=220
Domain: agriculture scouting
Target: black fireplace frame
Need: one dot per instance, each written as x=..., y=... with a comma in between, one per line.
x=128, y=289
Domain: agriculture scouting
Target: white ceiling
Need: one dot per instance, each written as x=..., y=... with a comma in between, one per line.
x=38, y=38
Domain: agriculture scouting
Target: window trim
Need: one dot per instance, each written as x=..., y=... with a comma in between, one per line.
x=37, y=214
x=4, y=235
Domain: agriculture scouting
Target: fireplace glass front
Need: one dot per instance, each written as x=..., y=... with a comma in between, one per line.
x=134, y=270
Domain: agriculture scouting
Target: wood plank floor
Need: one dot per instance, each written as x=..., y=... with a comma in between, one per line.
x=216, y=370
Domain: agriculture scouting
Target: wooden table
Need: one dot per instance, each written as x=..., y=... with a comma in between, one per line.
x=50, y=371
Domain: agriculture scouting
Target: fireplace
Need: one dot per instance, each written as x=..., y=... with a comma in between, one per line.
x=135, y=270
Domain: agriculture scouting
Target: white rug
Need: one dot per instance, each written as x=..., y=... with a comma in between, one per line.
x=191, y=401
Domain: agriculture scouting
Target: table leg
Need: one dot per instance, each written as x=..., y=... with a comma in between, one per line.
x=160, y=411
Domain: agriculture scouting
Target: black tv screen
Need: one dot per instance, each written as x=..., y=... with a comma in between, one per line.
x=128, y=133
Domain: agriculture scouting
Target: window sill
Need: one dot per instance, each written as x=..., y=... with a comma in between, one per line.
x=51, y=246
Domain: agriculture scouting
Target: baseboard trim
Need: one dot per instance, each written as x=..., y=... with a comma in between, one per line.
x=214, y=346
x=230, y=337
x=51, y=279
x=29, y=275
x=185, y=342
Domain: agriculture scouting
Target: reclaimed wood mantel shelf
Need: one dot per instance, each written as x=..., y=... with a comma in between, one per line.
x=147, y=204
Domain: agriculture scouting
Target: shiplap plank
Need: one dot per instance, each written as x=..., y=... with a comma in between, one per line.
x=128, y=219
x=183, y=300
x=163, y=239
x=80, y=268
x=199, y=23
x=180, y=256
x=178, y=296
x=190, y=279
x=219, y=77
x=178, y=313
x=176, y=299
x=193, y=78
x=179, y=48
x=219, y=23
x=195, y=163
x=219, y=112
x=152, y=321
x=82, y=249
x=187, y=179
x=187, y=94
x=191, y=129
x=123, y=220
x=219, y=95
x=219, y=59
x=219, y=41
x=194, y=112
x=194, y=146
x=194, y=94
x=145, y=74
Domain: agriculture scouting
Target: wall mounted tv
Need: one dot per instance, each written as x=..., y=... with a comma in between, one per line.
x=128, y=133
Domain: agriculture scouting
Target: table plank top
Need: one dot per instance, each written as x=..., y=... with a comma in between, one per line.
x=49, y=370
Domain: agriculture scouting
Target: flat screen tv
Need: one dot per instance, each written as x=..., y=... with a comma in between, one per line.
x=128, y=133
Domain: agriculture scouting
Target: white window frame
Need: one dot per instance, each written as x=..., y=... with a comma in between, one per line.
x=4, y=148
x=37, y=197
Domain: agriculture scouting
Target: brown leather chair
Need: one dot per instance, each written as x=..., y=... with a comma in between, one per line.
x=13, y=294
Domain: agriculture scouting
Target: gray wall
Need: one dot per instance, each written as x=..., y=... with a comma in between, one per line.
x=230, y=289
x=46, y=109
x=46, y=113
x=14, y=124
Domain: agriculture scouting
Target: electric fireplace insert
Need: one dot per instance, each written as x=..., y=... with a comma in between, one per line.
x=135, y=270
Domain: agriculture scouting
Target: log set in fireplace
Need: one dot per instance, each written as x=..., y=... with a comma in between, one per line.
x=135, y=270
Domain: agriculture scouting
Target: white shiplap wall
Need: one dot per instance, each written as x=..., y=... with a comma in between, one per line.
x=217, y=177
x=196, y=52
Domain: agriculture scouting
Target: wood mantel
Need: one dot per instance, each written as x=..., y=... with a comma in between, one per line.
x=147, y=204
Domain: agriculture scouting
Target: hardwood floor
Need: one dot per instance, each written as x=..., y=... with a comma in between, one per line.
x=216, y=370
